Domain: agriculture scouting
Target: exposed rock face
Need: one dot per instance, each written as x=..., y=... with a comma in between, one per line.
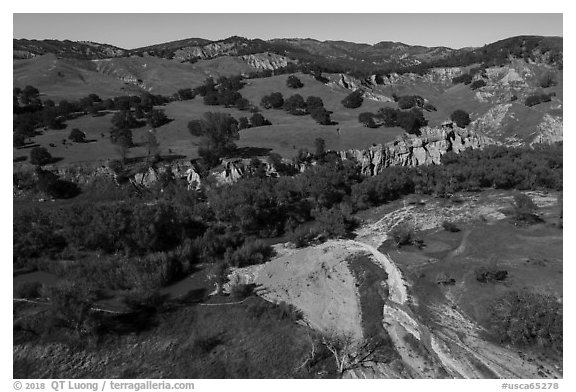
x=268, y=61
x=435, y=75
x=233, y=171
x=119, y=71
x=180, y=170
x=369, y=86
x=205, y=52
x=374, y=96
x=345, y=81
x=492, y=121
x=411, y=150
x=549, y=130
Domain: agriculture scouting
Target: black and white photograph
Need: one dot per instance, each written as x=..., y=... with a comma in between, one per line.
x=251, y=195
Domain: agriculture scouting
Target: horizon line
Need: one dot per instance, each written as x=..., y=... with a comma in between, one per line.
x=284, y=38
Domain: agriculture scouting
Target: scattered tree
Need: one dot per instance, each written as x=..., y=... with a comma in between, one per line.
x=295, y=105
x=367, y=119
x=353, y=100
x=219, y=130
x=272, y=101
x=77, y=136
x=258, y=120
x=157, y=118
x=461, y=118
x=40, y=156
x=320, y=146
x=294, y=82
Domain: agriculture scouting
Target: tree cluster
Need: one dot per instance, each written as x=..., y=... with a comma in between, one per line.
x=409, y=120
x=528, y=318
x=223, y=92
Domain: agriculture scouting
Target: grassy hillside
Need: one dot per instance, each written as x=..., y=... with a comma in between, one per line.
x=286, y=135
x=59, y=79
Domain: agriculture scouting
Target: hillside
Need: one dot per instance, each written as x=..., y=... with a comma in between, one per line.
x=495, y=100
x=288, y=209
x=24, y=49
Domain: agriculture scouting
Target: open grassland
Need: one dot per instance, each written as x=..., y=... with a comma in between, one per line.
x=531, y=255
x=59, y=79
x=285, y=136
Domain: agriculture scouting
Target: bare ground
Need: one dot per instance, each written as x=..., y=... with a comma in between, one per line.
x=317, y=281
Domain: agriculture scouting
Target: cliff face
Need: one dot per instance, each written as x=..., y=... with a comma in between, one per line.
x=411, y=150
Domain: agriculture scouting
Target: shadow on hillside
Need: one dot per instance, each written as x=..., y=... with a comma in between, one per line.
x=249, y=152
x=172, y=157
x=28, y=146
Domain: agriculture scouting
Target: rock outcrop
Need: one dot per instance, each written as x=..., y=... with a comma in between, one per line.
x=412, y=150
x=266, y=61
x=408, y=150
x=140, y=179
x=210, y=50
x=549, y=130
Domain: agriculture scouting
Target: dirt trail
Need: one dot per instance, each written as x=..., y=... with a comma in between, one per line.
x=456, y=348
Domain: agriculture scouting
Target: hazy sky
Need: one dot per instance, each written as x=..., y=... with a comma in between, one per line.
x=135, y=30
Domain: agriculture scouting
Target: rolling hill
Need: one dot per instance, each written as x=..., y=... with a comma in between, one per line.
x=65, y=70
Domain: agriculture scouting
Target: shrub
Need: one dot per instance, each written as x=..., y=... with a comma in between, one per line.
x=185, y=94
x=411, y=121
x=272, y=101
x=241, y=291
x=295, y=105
x=353, y=100
x=314, y=102
x=258, y=120
x=525, y=209
x=250, y=253
x=77, y=136
x=40, y=156
x=211, y=99
x=410, y=101
x=320, y=115
x=125, y=120
x=332, y=223
x=157, y=118
x=294, y=82
x=242, y=104
x=527, y=318
x=537, y=99
x=388, y=116
x=302, y=235
x=404, y=234
x=461, y=118
x=450, y=226
x=243, y=123
x=486, y=275
x=367, y=119
x=477, y=84
x=464, y=78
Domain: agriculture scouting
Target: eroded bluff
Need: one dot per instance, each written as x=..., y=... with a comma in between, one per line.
x=412, y=150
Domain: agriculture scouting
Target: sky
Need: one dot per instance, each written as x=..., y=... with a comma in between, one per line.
x=130, y=31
